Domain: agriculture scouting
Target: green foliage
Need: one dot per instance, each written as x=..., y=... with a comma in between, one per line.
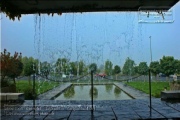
x=82, y=68
x=177, y=66
x=109, y=87
x=136, y=70
x=108, y=67
x=155, y=67
x=70, y=92
x=167, y=64
x=116, y=69
x=29, y=95
x=45, y=68
x=73, y=68
x=156, y=89
x=93, y=67
x=143, y=68
x=28, y=64
x=94, y=91
x=117, y=91
x=128, y=68
x=62, y=66
x=40, y=87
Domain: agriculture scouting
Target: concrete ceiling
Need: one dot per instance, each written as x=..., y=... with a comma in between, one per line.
x=61, y=6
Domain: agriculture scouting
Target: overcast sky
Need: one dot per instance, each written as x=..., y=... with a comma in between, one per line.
x=92, y=37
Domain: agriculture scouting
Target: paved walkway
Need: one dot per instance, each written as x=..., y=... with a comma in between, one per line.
x=54, y=92
x=132, y=92
x=47, y=109
x=104, y=110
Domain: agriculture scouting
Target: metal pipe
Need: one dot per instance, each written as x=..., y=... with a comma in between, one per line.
x=150, y=92
x=34, y=91
x=92, y=109
x=150, y=48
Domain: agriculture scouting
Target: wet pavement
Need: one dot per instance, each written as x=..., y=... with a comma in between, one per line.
x=82, y=110
x=46, y=109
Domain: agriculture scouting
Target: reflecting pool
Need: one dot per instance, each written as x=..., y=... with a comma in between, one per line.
x=100, y=92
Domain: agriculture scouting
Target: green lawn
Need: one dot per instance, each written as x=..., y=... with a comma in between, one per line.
x=41, y=87
x=156, y=87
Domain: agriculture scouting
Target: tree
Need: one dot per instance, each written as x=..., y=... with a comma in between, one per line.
x=108, y=67
x=155, y=68
x=73, y=68
x=45, y=68
x=116, y=70
x=177, y=66
x=136, y=69
x=16, y=69
x=11, y=66
x=93, y=67
x=30, y=66
x=143, y=68
x=81, y=67
x=62, y=65
x=168, y=66
x=58, y=65
x=128, y=68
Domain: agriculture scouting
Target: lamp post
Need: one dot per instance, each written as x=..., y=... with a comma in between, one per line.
x=34, y=91
x=150, y=48
x=150, y=80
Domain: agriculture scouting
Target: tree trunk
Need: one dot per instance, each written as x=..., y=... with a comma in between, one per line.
x=14, y=81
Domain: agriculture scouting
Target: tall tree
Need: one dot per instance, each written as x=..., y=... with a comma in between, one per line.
x=11, y=66
x=82, y=68
x=155, y=68
x=143, y=68
x=136, y=69
x=128, y=68
x=58, y=65
x=167, y=64
x=93, y=67
x=62, y=65
x=30, y=66
x=177, y=66
x=17, y=69
x=45, y=68
x=65, y=65
x=73, y=68
x=116, y=70
x=108, y=67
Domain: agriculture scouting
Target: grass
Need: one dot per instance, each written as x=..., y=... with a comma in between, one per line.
x=156, y=87
x=40, y=87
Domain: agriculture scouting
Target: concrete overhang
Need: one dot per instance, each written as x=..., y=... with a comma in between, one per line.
x=17, y=7
x=60, y=6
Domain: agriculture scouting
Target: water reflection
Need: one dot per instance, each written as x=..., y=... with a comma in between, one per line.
x=95, y=92
x=81, y=87
x=117, y=92
x=70, y=92
x=109, y=87
x=77, y=92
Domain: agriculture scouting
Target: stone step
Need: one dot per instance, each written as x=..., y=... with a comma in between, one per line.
x=12, y=97
x=168, y=95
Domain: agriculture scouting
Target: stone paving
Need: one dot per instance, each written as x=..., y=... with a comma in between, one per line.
x=132, y=92
x=103, y=109
x=54, y=92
